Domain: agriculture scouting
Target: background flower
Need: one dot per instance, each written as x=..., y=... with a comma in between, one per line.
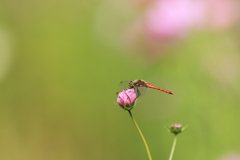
x=165, y=23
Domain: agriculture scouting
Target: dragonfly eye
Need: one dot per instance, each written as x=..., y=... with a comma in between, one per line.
x=130, y=84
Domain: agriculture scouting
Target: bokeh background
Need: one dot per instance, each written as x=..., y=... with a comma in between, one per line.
x=61, y=63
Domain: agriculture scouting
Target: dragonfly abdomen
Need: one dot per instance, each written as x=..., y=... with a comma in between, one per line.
x=161, y=89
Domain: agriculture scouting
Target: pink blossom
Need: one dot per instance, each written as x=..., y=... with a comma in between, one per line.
x=171, y=18
x=126, y=99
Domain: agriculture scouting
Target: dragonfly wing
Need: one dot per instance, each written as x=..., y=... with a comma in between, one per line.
x=123, y=85
x=140, y=91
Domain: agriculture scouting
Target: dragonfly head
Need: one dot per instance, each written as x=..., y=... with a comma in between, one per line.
x=131, y=84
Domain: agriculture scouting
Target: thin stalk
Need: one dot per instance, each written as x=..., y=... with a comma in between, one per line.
x=173, y=147
x=143, y=139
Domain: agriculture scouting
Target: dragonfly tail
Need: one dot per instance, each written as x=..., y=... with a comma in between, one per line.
x=161, y=89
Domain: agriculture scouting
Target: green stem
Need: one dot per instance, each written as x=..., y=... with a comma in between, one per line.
x=173, y=147
x=143, y=139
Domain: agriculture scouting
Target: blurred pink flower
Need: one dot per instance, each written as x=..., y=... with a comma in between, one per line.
x=126, y=99
x=165, y=22
x=174, y=18
x=171, y=18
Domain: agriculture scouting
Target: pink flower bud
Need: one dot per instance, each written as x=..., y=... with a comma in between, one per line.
x=126, y=99
x=176, y=125
x=176, y=128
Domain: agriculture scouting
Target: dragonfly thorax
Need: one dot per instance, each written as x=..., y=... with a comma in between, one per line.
x=137, y=83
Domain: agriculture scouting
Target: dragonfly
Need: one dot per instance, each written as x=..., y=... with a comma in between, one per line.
x=140, y=86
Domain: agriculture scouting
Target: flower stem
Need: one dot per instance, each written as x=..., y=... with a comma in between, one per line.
x=143, y=139
x=173, y=147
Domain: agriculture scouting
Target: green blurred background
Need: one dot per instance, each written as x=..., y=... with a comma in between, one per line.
x=59, y=71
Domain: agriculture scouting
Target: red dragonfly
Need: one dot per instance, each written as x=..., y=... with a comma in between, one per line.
x=140, y=86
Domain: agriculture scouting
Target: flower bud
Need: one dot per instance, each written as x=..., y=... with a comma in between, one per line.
x=176, y=128
x=126, y=99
